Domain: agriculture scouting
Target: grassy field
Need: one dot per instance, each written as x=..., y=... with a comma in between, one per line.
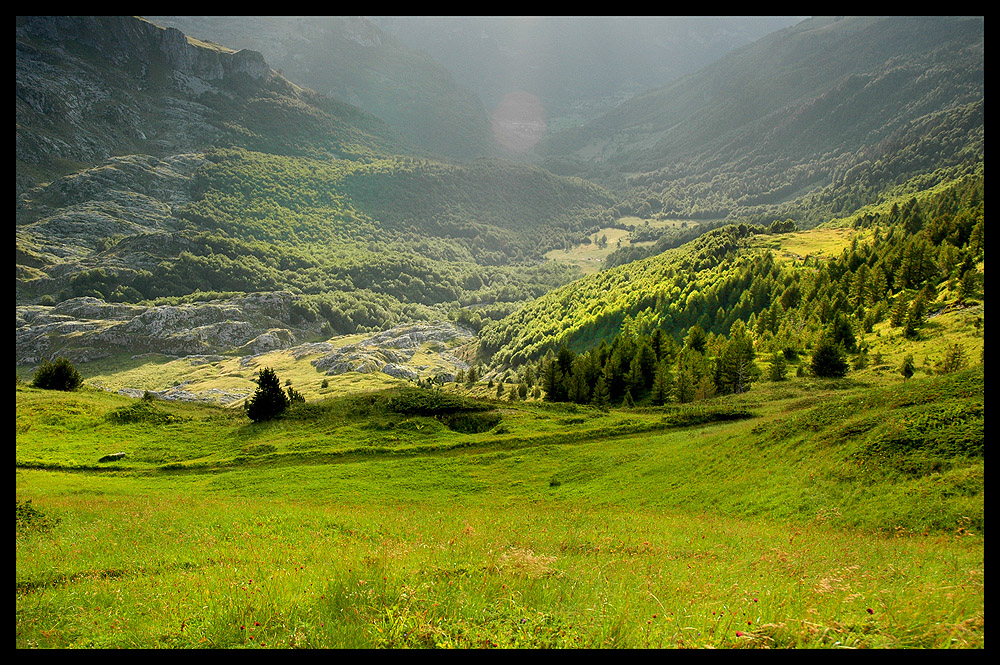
x=590, y=257
x=804, y=513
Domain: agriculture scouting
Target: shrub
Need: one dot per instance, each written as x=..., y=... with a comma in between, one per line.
x=58, y=375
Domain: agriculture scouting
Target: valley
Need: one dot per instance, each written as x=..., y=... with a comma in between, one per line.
x=307, y=356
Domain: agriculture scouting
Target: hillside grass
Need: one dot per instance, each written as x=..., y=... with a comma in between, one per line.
x=366, y=521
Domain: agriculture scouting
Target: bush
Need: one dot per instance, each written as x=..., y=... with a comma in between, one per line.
x=58, y=375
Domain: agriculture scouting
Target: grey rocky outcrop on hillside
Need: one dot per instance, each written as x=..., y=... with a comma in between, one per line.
x=391, y=351
x=83, y=329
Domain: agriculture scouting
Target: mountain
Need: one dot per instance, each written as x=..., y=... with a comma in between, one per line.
x=156, y=170
x=350, y=59
x=88, y=88
x=159, y=171
x=576, y=66
x=811, y=121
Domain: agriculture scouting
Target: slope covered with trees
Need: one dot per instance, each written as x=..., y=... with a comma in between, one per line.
x=245, y=183
x=809, y=122
x=903, y=262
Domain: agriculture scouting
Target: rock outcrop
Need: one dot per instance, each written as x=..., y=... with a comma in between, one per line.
x=84, y=329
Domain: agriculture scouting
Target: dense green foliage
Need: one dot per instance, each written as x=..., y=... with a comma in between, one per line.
x=807, y=123
x=59, y=374
x=909, y=255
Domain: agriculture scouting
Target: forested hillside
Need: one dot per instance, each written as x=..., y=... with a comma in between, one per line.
x=809, y=122
x=708, y=372
x=900, y=264
x=245, y=183
x=155, y=169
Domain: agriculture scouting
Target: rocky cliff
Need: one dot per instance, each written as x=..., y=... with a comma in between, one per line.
x=88, y=88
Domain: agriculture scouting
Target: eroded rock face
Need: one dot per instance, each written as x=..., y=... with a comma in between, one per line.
x=115, y=85
x=83, y=329
x=391, y=351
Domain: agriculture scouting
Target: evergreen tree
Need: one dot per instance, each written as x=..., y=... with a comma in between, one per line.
x=696, y=339
x=662, y=384
x=955, y=359
x=645, y=362
x=705, y=389
x=601, y=397
x=829, y=359
x=778, y=368
x=269, y=400
x=735, y=367
x=899, y=308
x=908, y=368
x=684, y=385
x=627, y=401
x=552, y=380
x=843, y=332
x=914, y=316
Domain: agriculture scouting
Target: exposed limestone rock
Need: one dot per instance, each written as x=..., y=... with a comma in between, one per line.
x=88, y=328
x=391, y=351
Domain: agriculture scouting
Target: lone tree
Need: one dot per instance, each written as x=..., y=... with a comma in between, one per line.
x=58, y=375
x=269, y=401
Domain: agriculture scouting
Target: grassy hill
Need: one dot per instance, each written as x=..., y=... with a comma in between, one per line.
x=810, y=514
x=746, y=272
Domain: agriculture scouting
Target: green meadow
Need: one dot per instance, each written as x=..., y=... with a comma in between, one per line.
x=804, y=513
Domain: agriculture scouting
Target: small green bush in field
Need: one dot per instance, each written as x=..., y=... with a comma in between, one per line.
x=29, y=518
x=58, y=375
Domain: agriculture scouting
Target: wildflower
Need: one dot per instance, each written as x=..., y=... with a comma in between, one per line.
x=870, y=611
x=739, y=634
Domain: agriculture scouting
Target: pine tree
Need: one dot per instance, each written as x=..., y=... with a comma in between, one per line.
x=662, y=385
x=601, y=397
x=829, y=359
x=955, y=359
x=269, y=400
x=778, y=368
x=735, y=367
x=908, y=368
x=914, y=316
x=627, y=401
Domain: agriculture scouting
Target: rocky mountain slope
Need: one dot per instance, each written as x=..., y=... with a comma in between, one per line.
x=88, y=88
x=350, y=59
x=156, y=167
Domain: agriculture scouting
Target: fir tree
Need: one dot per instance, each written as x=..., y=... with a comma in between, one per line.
x=269, y=400
x=829, y=359
x=662, y=384
x=778, y=368
x=601, y=397
x=627, y=401
x=908, y=368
